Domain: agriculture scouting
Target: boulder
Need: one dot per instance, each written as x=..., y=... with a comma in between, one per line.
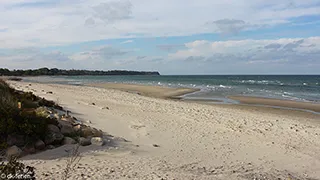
x=51, y=147
x=29, y=149
x=97, y=141
x=57, y=116
x=68, y=140
x=15, y=139
x=68, y=119
x=77, y=128
x=54, y=136
x=13, y=151
x=53, y=128
x=97, y=133
x=84, y=141
x=66, y=128
x=87, y=131
x=40, y=145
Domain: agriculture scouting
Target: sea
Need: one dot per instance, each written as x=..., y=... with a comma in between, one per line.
x=305, y=88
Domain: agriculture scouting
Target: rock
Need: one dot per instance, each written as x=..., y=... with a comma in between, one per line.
x=68, y=119
x=49, y=92
x=53, y=128
x=13, y=151
x=51, y=147
x=54, y=136
x=57, y=116
x=87, y=131
x=97, y=141
x=156, y=145
x=97, y=133
x=51, y=116
x=66, y=128
x=29, y=149
x=15, y=139
x=39, y=145
x=68, y=140
x=105, y=108
x=93, y=104
x=84, y=141
x=77, y=128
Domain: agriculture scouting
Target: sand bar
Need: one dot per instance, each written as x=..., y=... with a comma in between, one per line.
x=151, y=91
x=277, y=102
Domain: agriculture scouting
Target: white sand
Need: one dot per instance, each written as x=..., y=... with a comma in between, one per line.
x=196, y=141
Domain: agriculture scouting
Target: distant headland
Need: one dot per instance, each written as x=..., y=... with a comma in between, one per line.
x=72, y=72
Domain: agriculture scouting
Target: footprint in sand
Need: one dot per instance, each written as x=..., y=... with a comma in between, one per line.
x=140, y=130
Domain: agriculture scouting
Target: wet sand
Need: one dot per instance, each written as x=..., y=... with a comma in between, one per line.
x=151, y=91
x=276, y=102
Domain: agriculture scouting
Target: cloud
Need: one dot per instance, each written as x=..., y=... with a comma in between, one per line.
x=272, y=46
x=90, y=22
x=113, y=11
x=126, y=42
x=56, y=23
x=229, y=26
x=169, y=47
x=99, y=54
x=281, y=51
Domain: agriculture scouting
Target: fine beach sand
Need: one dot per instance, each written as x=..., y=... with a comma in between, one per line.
x=195, y=141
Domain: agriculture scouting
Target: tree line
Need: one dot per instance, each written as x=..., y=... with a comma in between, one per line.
x=72, y=72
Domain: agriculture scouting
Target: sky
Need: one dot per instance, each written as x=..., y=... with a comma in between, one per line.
x=169, y=36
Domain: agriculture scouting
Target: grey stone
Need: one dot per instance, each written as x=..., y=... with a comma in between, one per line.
x=53, y=128
x=51, y=147
x=13, y=151
x=29, y=149
x=84, y=141
x=54, y=136
x=66, y=128
x=97, y=141
x=40, y=145
x=68, y=140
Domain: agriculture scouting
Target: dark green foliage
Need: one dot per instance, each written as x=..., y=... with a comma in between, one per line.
x=21, y=121
x=55, y=72
x=16, y=170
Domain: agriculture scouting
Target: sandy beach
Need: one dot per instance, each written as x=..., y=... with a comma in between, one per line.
x=169, y=139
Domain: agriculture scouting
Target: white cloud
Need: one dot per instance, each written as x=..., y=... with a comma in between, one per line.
x=113, y=11
x=126, y=42
x=74, y=21
x=297, y=51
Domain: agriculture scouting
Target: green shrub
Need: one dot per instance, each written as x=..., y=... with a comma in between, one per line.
x=23, y=121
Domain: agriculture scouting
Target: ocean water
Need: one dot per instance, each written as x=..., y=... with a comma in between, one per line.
x=216, y=87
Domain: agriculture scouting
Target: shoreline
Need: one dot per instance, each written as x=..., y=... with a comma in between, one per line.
x=176, y=93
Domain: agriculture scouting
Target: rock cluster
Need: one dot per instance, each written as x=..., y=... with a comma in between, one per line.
x=61, y=129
